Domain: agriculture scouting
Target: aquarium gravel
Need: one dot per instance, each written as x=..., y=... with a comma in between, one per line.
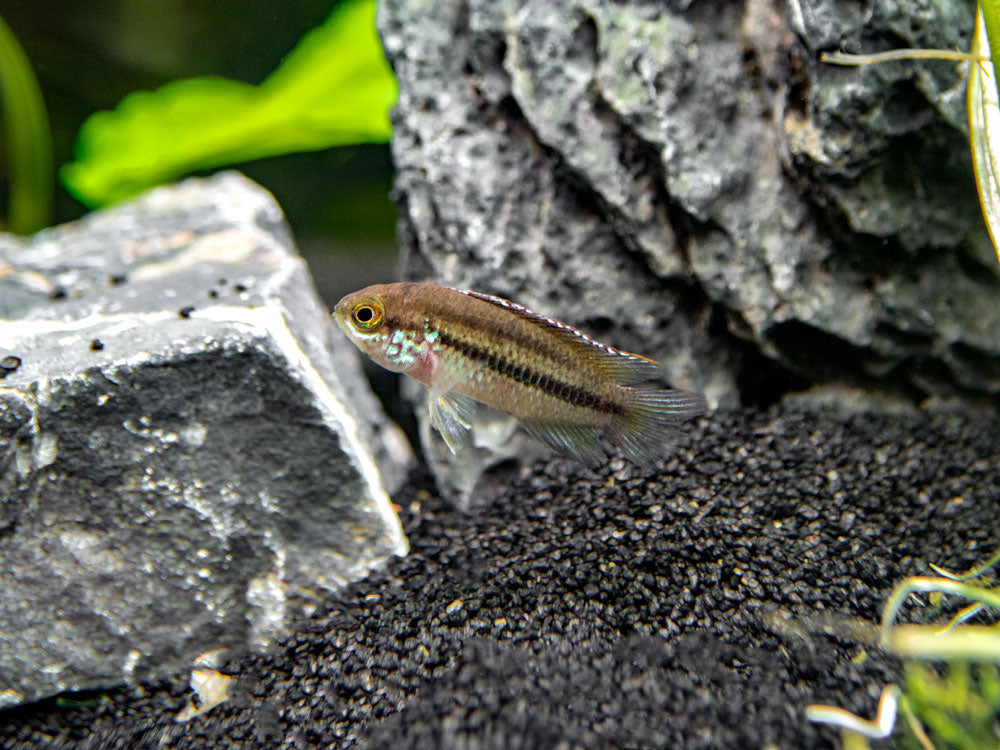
x=606, y=610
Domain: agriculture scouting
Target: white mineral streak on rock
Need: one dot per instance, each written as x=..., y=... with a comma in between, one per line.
x=274, y=324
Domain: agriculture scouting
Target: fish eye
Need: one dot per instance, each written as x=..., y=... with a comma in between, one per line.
x=367, y=315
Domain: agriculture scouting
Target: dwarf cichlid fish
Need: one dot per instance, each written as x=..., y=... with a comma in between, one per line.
x=564, y=388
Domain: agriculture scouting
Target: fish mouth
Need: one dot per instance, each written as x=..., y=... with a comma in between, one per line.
x=340, y=314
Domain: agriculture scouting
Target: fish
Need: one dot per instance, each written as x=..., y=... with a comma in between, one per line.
x=563, y=387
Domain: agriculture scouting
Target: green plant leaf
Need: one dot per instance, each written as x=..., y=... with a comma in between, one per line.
x=984, y=130
x=28, y=136
x=990, y=12
x=335, y=88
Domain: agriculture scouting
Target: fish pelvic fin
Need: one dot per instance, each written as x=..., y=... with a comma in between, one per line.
x=651, y=418
x=578, y=441
x=452, y=415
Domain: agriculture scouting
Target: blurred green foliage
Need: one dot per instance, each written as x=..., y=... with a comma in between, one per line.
x=959, y=704
x=334, y=88
x=28, y=137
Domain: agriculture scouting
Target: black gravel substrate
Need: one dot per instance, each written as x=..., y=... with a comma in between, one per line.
x=603, y=611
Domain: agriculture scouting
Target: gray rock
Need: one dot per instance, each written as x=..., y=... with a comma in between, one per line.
x=188, y=450
x=688, y=181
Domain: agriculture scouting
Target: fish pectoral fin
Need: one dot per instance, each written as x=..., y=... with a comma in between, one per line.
x=578, y=441
x=452, y=415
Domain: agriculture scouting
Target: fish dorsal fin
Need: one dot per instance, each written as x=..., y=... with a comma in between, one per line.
x=618, y=366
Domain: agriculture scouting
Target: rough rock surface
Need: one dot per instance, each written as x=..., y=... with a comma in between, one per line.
x=186, y=455
x=687, y=180
x=694, y=608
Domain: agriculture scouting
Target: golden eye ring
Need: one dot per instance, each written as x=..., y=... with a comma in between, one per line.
x=367, y=315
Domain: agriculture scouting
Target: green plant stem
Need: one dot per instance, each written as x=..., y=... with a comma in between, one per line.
x=892, y=55
x=968, y=643
x=29, y=139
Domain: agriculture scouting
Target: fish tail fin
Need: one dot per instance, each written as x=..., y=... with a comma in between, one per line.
x=651, y=417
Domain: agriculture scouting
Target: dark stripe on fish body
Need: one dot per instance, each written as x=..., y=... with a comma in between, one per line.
x=567, y=392
x=496, y=328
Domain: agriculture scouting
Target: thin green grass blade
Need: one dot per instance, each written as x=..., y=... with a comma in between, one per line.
x=923, y=584
x=29, y=139
x=975, y=572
